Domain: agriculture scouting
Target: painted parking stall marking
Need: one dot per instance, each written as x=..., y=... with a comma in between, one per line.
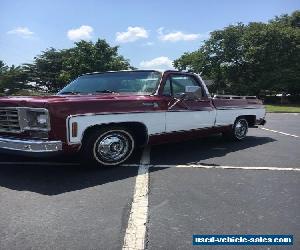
x=156, y=166
x=279, y=132
x=135, y=235
x=225, y=167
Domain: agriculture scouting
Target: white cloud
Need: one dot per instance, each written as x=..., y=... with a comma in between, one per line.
x=180, y=36
x=21, y=31
x=132, y=34
x=84, y=32
x=148, y=44
x=160, y=63
x=160, y=30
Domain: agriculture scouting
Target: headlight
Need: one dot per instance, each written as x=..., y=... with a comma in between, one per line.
x=34, y=119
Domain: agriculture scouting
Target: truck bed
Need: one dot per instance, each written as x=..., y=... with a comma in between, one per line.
x=236, y=102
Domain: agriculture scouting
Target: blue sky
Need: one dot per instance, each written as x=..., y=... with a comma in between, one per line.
x=150, y=33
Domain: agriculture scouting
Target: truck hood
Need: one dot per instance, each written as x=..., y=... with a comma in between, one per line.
x=45, y=101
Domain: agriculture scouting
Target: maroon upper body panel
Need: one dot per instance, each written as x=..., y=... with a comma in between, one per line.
x=237, y=103
x=112, y=103
x=60, y=107
x=46, y=101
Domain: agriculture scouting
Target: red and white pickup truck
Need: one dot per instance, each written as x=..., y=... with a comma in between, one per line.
x=105, y=116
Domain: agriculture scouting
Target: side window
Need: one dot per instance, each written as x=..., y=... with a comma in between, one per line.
x=167, y=88
x=179, y=82
x=175, y=85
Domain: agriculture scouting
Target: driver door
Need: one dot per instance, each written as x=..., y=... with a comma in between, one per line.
x=186, y=114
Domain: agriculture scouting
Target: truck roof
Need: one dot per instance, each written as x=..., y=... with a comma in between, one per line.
x=134, y=70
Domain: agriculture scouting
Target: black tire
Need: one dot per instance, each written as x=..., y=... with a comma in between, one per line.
x=109, y=146
x=238, y=131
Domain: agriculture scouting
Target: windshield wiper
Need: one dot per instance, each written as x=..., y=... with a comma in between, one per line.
x=105, y=91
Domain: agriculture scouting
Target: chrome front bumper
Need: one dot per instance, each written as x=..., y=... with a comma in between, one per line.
x=30, y=146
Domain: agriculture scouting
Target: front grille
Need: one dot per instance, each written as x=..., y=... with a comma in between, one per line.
x=9, y=120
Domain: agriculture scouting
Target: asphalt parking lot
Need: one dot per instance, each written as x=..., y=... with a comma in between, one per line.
x=161, y=198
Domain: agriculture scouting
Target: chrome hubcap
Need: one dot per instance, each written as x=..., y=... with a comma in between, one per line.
x=113, y=147
x=241, y=129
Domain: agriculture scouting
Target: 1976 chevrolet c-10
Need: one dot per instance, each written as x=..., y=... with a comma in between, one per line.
x=105, y=116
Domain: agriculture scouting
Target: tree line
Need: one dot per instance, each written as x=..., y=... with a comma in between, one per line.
x=246, y=59
x=253, y=59
x=53, y=69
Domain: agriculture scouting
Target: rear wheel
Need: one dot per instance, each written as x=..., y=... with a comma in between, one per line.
x=108, y=146
x=239, y=130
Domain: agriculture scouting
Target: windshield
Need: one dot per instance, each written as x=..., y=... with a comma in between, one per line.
x=135, y=82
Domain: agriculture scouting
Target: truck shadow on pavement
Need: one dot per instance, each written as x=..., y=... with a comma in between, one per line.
x=57, y=179
x=54, y=180
x=39, y=176
x=203, y=149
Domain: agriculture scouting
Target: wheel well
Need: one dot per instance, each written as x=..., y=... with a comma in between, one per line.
x=137, y=129
x=251, y=119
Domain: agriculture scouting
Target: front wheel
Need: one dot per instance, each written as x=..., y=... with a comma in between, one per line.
x=108, y=146
x=239, y=130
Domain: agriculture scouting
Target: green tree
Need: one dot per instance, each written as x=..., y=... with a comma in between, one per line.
x=12, y=79
x=46, y=69
x=55, y=68
x=292, y=20
x=88, y=57
x=252, y=58
x=3, y=67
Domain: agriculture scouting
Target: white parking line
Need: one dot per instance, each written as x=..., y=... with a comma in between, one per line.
x=225, y=167
x=135, y=235
x=145, y=159
x=279, y=113
x=275, y=131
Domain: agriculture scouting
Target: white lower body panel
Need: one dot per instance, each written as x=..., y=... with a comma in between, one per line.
x=228, y=116
x=155, y=122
